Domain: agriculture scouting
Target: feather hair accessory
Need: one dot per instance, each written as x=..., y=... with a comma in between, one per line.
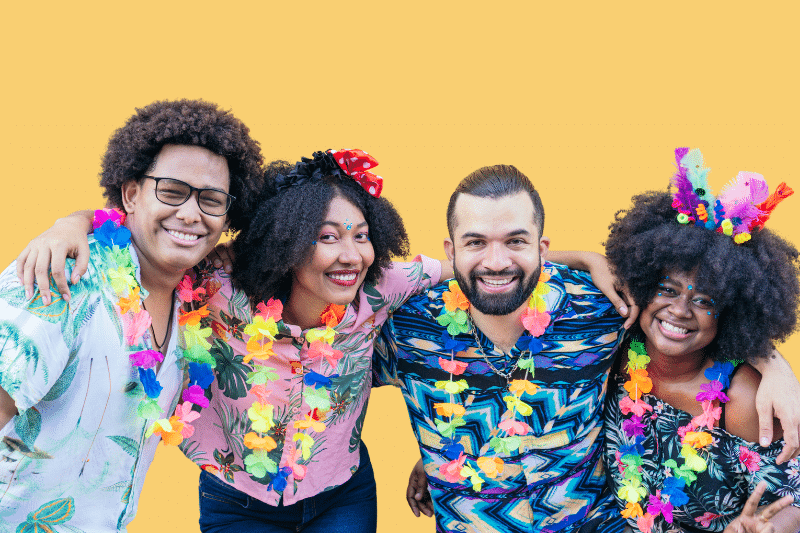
x=743, y=205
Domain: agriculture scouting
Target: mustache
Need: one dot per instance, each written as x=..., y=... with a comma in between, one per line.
x=512, y=272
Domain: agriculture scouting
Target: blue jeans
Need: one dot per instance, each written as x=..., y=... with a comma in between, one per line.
x=349, y=508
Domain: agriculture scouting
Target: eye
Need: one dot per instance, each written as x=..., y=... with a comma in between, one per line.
x=474, y=243
x=516, y=242
x=362, y=236
x=327, y=237
x=666, y=290
x=703, y=302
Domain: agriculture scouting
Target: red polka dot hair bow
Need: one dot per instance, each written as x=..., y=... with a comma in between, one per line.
x=355, y=163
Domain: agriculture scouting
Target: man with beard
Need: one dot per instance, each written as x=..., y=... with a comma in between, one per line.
x=504, y=372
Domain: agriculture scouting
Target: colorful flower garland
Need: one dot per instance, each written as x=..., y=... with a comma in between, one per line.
x=262, y=331
x=455, y=318
x=111, y=233
x=693, y=439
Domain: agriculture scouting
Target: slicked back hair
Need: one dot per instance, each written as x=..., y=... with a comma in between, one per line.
x=497, y=181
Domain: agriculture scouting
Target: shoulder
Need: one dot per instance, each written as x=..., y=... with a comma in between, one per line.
x=741, y=416
x=574, y=296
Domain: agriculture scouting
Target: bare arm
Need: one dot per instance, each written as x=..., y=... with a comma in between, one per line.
x=597, y=265
x=778, y=396
x=48, y=251
x=8, y=409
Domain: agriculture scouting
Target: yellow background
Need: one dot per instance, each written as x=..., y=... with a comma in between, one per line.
x=588, y=99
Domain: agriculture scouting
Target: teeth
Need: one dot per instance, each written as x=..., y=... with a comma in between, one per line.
x=183, y=236
x=675, y=329
x=343, y=277
x=496, y=282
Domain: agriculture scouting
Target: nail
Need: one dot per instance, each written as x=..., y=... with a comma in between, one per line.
x=65, y=297
x=764, y=441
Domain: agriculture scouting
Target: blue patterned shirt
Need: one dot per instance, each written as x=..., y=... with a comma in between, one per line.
x=555, y=481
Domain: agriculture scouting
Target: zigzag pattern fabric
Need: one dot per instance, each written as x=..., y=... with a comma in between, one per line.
x=555, y=481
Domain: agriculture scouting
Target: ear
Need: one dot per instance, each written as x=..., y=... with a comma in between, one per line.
x=131, y=190
x=449, y=250
x=227, y=224
x=544, y=247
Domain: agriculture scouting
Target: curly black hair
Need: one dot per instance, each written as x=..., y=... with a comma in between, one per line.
x=132, y=149
x=280, y=234
x=754, y=285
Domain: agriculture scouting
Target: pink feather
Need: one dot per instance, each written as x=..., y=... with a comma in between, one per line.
x=740, y=197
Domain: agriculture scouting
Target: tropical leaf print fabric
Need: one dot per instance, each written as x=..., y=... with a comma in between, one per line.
x=74, y=458
x=302, y=391
x=554, y=480
x=735, y=466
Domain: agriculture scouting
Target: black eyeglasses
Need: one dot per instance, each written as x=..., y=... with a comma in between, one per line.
x=175, y=192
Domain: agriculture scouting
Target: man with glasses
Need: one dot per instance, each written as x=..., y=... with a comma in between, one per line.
x=84, y=378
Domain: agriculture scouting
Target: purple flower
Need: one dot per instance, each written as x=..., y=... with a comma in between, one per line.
x=146, y=358
x=633, y=426
x=712, y=391
x=196, y=395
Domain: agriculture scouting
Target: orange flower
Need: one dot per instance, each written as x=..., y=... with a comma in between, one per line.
x=332, y=315
x=518, y=387
x=449, y=409
x=192, y=317
x=253, y=441
x=257, y=350
x=173, y=437
x=491, y=466
x=638, y=384
x=131, y=303
x=309, y=422
x=632, y=510
x=454, y=298
x=698, y=439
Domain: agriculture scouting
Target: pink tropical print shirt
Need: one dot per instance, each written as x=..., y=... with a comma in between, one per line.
x=300, y=388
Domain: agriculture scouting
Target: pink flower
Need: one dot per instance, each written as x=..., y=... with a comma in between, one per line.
x=146, y=358
x=657, y=506
x=135, y=324
x=185, y=416
x=706, y=519
x=452, y=470
x=683, y=430
x=186, y=293
x=299, y=471
x=749, y=459
x=273, y=309
x=645, y=523
x=637, y=407
x=454, y=367
x=535, y=322
x=261, y=392
x=320, y=348
x=514, y=427
x=709, y=417
x=194, y=394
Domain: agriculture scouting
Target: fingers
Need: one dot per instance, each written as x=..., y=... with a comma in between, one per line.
x=765, y=423
x=21, y=263
x=411, y=493
x=791, y=445
x=41, y=272
x=619, y=304
x=772, y=509
x=751, y=505
x=81, y=262
x=27, y=273
x=426, y=504
x=57, y=268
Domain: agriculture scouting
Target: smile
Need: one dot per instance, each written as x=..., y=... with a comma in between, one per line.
x=345, y=278
x=496, y=284
x=183, y=236
x=673, y=329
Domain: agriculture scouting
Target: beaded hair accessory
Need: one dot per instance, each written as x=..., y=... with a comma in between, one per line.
x=742, y=206
x=352, y=163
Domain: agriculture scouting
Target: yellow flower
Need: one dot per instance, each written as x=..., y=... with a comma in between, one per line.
x=491, y=466
x=253, y=441
x=327, y=335
x=261, y=416
x=262, y=328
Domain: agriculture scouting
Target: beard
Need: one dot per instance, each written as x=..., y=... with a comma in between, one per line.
x=498, y=304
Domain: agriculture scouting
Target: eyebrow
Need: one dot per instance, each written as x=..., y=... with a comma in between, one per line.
x=332, y=223
x=515, y=233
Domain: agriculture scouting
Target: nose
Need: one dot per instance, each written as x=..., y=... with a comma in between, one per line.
x=349, y=254
x=189, y=211
x=679, y=307
x=496, y=257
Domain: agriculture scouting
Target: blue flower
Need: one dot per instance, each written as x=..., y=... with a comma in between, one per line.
x=451, y=344
x=721, y=372
x=152, y=388
x=315, y=380
x=634, y=449
x=452, y=449
x=673, y=487
x=200, y=374
x=279, y=481
x=109, y=234
x=534, y=345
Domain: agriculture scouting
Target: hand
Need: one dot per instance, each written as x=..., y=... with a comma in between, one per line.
x=48, y=252
x=222, y=256
x=417, y=495
x=754, y=521
x=779, y=396
x=615, y=291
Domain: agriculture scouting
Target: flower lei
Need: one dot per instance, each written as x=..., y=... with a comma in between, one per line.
x=262, y=331
x=455, y=318
x=743, y=205
x=110, y=232
x=693, y=440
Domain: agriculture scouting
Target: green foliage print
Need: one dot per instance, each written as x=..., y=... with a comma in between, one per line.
x=48, y=515
x=19, y=352
x=128, y=445
x=28, y=424
x=230, y=370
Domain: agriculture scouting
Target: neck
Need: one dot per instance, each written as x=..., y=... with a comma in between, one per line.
x=503, y=330
x=684, y=367
x=303, y=313
x=158, y=283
